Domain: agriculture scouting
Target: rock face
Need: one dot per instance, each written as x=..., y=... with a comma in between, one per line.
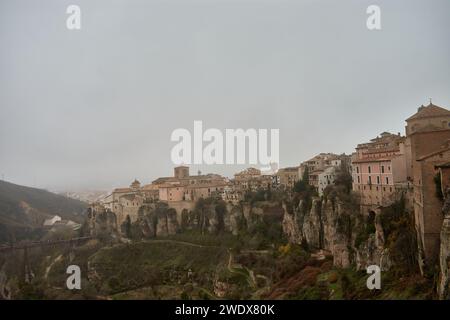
x=444, y=257
x=156, y=220
x=101, y=222
x=330, y=224
x=336, y=226
x=293, y=223
x=312, y=225
x=5, y=290
x=212, y=217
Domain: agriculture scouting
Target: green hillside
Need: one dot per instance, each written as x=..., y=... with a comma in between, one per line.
x=24, y=209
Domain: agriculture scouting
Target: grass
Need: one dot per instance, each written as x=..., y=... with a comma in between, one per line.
x=128, y=267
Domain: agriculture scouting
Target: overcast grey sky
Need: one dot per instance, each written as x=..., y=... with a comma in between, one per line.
x=94, y=108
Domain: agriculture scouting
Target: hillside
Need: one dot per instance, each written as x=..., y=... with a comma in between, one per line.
x=23, y=209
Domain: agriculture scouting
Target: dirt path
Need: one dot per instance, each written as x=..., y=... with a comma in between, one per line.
x=47, y=270
x=180, y=242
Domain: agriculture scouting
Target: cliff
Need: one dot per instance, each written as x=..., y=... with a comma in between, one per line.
x=336, y=225
x=156, y=220
x=444, y=257
x=101, y=222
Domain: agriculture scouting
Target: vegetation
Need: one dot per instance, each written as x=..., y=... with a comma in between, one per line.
x=23, y=211
x=344, y=179
x=400, y=237
x=202, y=262
x=365, y=229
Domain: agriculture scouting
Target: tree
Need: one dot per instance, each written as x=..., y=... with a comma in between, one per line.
x=300, y=186
x=221, y=210
x=126, y=227
x=200, y=211
x=303, y=184
x=344, y=178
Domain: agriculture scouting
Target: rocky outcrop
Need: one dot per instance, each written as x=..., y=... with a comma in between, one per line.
x=292, y=223
x=5, y=290
x=101, y=222
x=337, y=227
x=157, y=220
x=217, y=216
x=444, y=256
x=373, y=251
x=312, y=225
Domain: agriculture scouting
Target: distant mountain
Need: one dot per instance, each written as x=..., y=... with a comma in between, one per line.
x=24, y=209
x=88, y=196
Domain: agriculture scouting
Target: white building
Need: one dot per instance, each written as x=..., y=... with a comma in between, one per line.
x=326, y=178
x=52, y=221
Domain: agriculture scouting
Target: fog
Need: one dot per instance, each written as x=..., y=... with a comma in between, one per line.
x=95, y=108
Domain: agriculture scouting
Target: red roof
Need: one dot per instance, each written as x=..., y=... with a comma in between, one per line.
x=429, y=111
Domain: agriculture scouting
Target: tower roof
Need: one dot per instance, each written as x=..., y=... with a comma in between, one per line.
x=429, y=111
x=135, y=183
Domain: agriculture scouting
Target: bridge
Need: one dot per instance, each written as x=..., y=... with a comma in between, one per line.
x=27, y=273
x=44, y=243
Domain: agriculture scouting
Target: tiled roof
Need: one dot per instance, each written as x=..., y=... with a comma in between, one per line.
x=429, y=111
x=437, y=151
x=122, y=190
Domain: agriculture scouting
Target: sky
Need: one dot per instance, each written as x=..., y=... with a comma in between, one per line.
x=95, y=108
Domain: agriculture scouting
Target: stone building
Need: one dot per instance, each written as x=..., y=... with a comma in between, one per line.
x=326, y=178
x=251, y=179
x=287, y=177
x=427, y=136
x=323, y=168
x=184, y=187
x=125, y=201
x=231, y=194
x=180, y=192
x=379, y=171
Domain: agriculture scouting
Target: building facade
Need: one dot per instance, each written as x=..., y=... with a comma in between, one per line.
x=427, y=137
x=379, y=171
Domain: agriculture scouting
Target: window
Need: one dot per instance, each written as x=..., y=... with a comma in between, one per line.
x=378, y=179
x=358, y=180
x=387, y=180
x=382, y=169
x=357, y=169
x=368, y=168
x=370, y=179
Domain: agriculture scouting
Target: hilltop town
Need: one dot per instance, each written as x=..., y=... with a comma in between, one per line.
x=414, y=167
x=386, y=204
x=302, y=232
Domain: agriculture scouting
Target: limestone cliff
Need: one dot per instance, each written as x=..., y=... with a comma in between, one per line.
x=101, y=222
x=335, y=224
x=156, y=220
x=444, y=257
